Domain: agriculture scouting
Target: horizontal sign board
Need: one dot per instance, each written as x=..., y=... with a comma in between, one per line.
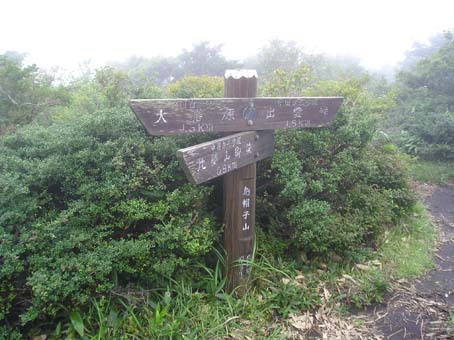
x=215, y=158
x=178, y=116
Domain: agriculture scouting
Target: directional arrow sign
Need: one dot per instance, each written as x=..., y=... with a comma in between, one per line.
x=215, y=158
x=177, y=116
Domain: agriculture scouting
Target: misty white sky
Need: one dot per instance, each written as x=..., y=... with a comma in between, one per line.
x=67, y=32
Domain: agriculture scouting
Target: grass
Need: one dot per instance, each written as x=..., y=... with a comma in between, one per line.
x=451, y=319
x=404, y=252
x=278, y=289
x=433, y=172
x=185, y=312
x=407, y=250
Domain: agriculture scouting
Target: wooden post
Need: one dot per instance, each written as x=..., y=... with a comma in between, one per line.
x=239, y=195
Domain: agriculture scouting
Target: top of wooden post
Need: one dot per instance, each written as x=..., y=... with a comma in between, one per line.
x=240, y=84
x=243, y=73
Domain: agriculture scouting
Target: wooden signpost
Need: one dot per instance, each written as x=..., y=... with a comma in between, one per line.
x=233, y=156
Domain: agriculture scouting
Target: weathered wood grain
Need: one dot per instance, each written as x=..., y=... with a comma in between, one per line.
x=239, y=229
x=179, y=116
x=239, y=198
x=215, y=158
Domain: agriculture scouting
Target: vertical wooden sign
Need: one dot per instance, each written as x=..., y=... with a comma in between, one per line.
x=239, y=196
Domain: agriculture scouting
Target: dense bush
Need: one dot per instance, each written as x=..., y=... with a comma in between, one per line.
x=91, y=203
x=333, y=190
x=196, y=87
x=103, y=88
x=428, y=134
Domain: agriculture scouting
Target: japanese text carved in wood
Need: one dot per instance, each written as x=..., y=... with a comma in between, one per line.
x=215, y=158
x=177, y=116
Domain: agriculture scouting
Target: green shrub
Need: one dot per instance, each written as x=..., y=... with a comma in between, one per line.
x=8, y=334
x=196, y=87
x=91, y=203
x=334, y=190
x=423, y=122
x=429, y=135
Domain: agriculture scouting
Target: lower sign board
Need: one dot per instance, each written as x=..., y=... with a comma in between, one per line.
x=215, y=158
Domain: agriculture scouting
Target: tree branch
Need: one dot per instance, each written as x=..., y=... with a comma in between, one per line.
x=9, y=97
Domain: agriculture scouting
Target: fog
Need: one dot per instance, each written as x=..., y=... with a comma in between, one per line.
x=68, y=33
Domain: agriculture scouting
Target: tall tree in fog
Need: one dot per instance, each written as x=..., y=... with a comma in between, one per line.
x=425, y=116
x=276, y=55
x=25, y=91
x=157, y=70
x=420, y=51
x=204, y=59
x=431, y=80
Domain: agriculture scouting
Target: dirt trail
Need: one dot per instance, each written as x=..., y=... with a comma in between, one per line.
x=415, y=309
x=420, y=309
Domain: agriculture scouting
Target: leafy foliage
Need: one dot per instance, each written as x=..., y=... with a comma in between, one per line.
x=332, y=190
x=287, y=83
x=193, y=87
x=90, y=203
x=425, y=117
x=25, y=91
